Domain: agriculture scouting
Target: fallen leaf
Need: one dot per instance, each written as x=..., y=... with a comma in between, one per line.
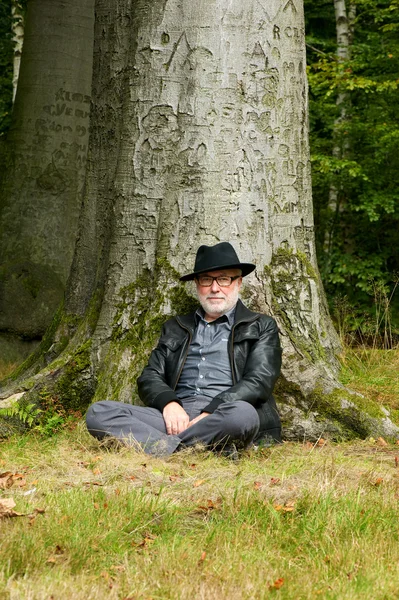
x=257, y=485
x=321, y=442
x=39, y=511
x=5, y=480
x=6, y=508
x=381, y=442
x=209, y=506
x=96, y=471
x=146, y=541
x=173, y=477
x=277, y=584
x=378, y=481
x=119, y=568
x=396, y=461
x=308, y=445
x=274, y=480
x=193, y=465
x=287, y=507
x=199, y=482
x=202, y=557
x=96, y=505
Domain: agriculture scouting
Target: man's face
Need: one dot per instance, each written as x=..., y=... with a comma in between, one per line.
x=217, y=300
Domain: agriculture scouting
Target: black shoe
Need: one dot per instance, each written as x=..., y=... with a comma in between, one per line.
x=230, y=452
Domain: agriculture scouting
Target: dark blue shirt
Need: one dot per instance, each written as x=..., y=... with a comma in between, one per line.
x=207, y=370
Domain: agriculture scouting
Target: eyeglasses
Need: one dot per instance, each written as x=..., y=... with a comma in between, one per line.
x=222, y=280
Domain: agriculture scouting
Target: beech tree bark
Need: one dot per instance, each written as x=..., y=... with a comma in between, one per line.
x=199, y=134
x=44, y=163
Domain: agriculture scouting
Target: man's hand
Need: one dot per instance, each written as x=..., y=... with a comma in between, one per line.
x=175, y=417
x=201, y=416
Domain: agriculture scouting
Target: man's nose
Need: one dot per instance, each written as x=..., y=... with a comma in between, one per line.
x=215, y=286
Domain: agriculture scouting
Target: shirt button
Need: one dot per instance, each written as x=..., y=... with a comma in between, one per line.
x=208, y=325
x=201, y=377
x=203, y=358
x=198, y=390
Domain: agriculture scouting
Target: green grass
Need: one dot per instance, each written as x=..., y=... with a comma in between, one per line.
x=298, y=521
x=374, y=373
x=118, y=524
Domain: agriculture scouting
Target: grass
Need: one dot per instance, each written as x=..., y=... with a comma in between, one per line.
x=295, y=521
x=373, y=372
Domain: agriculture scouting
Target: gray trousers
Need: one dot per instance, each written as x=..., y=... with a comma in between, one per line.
x=145, y=427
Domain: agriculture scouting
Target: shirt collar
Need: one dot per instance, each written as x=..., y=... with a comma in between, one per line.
x=228, y=316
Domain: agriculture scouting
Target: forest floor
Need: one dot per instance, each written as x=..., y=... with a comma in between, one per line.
x=296, y=521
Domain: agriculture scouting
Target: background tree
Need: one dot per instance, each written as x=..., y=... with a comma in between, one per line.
x=43, y=166
x=198, y=134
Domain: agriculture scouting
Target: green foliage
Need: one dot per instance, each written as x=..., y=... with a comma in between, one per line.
x=25, y=413
x=6, y=58
x=355, y=149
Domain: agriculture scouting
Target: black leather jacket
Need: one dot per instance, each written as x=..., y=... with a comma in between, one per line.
x=255, y=357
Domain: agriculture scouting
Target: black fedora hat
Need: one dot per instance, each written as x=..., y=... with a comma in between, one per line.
x=214, y=258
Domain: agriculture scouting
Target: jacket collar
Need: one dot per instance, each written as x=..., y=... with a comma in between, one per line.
x=242, y=315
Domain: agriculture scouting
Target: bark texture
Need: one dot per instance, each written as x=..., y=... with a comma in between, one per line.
x=18, y=39
x=200, y=134
x=45, y=161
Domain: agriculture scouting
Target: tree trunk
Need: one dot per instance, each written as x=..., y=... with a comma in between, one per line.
x=199, y=134
x=18, y=39
x=344, y=23
x=44, y=166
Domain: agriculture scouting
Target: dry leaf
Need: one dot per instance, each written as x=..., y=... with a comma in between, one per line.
x=277, y=584
x=8, y=479
x=321, y=442
x=96, y=471
x=396, y=461
x=378, y=481
x=6, y=508
x=287, y=507
x=274, y=480
x=202, y=558
x=210, y=505
x=257, y=485
x=96, y=505
x=381, y=442
x=199, y=482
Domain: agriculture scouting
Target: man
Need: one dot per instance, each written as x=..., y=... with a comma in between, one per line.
x=210, y=378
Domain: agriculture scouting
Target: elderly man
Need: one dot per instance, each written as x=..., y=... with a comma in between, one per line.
x=210, y=378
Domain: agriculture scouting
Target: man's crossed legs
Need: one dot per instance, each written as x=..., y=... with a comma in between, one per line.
x=236, y=422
